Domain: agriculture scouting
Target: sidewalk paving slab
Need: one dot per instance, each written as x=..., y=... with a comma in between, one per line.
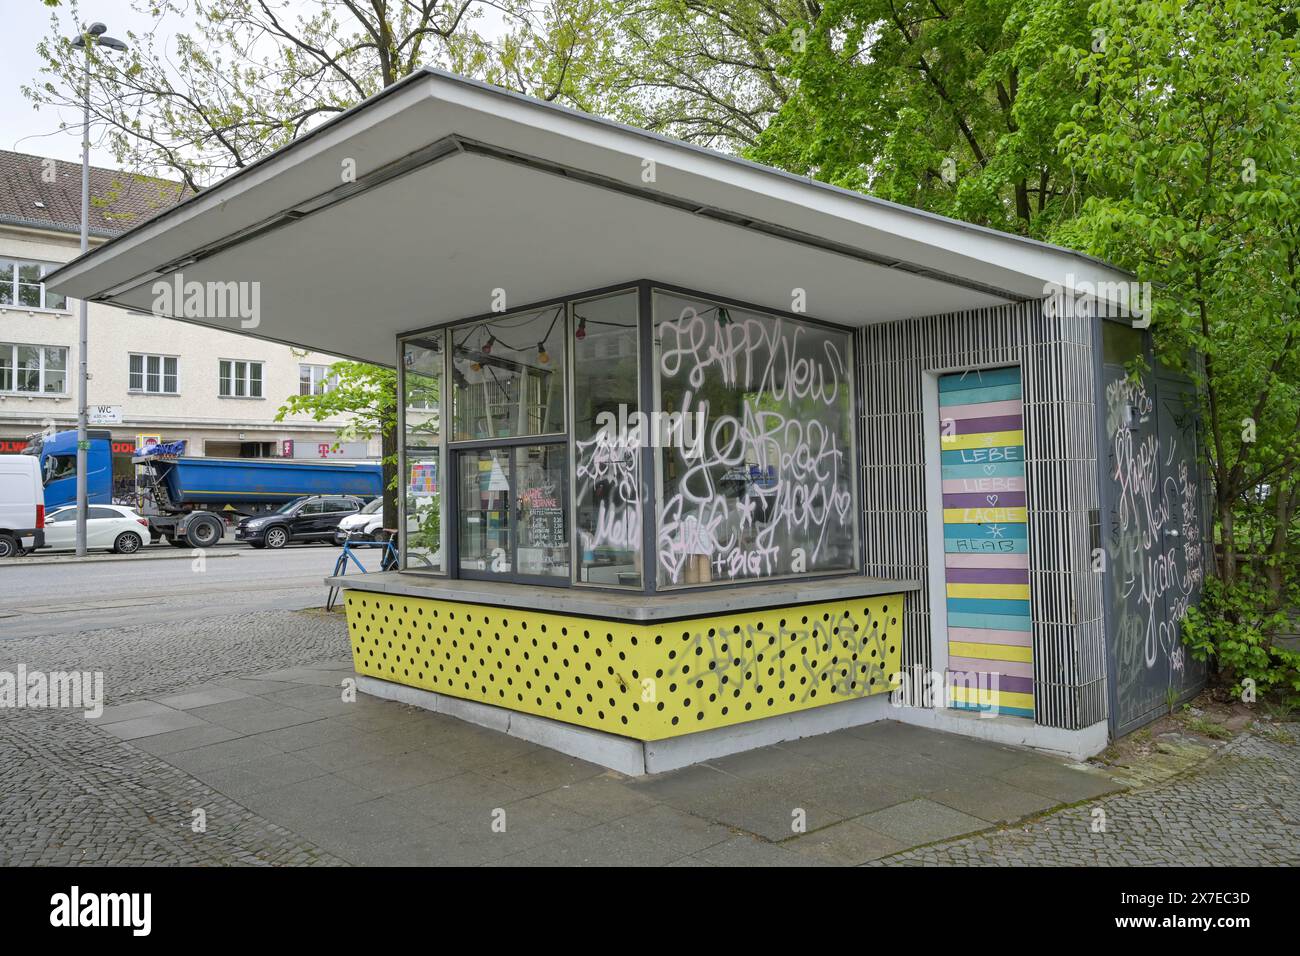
x=375, y=781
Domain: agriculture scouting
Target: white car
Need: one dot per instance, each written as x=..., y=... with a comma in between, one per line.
x=112, y=527
x=363, y=524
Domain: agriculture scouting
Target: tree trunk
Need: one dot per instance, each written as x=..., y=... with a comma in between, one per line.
x=388, y=444
x=1228, y=566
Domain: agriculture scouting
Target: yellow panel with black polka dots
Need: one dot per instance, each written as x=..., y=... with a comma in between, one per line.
x=646, y=680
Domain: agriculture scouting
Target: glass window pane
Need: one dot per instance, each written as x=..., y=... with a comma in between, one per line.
x=7, y=270
x=6, y=368
x=56, y=375
x=255, y=379
x=755, y=445
x=541, y=522
x=607, y=441
x=304, y=379
x=422, y=364
x=29, y=368
x=423, y=513
x=483, y=525
x=169, y=375
x=223, y=378
x=52, y=299
x=29, y=273
x=422, y=374
x=136, y=373
x=508, y=376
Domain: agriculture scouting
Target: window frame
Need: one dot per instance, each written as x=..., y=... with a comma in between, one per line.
x=855, y=438
x=648, y=391
x=15, y=281
x=327, y=378
x=12, y=369
x=247, y=380
x=145, y=373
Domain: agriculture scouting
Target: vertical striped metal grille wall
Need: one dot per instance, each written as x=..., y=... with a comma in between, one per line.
x=1055, y=355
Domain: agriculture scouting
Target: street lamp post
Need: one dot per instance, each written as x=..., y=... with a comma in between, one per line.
x=93, y=36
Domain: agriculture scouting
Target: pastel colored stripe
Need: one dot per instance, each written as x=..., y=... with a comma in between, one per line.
x=988, y=635
x=990, y=592
x=999, y=699
x=1018, y=576
x=982, y=409
x=987, y=561
x=992, y=622
x=995, y=682
x=1009, y=607
x=1010, y=668
x=984, y=515
x=971, y=396
x=954, y=455
x=991, y=652
x=988, y=499
x=989, y=469
x=996, y=439
x=992, y=423
x=1001, y=711
x=985, y=546
x=979, y=377
x=1013, y=530
x=983, y=484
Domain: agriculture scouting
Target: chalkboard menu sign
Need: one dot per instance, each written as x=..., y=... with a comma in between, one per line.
x=546, y=528
x=544, y=517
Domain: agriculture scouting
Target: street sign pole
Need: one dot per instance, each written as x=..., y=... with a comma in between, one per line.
x=83, y=335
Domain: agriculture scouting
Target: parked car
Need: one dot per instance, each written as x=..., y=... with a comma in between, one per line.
x=112, y=527
x=22, y=505
x=312, y=518
x=363, y=524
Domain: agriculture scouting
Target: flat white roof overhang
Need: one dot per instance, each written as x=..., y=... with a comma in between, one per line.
x=462, y=189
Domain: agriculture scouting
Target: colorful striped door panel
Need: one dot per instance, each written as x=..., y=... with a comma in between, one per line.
x=985, y=542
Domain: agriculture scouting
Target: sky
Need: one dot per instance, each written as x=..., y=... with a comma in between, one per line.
x=26, y=23
x=22, y=128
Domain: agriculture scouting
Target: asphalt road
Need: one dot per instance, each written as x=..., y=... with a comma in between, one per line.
x=73, y=597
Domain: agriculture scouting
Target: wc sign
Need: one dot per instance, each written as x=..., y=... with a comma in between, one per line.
x=103, y=414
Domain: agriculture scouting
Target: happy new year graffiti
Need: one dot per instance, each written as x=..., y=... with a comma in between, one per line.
x=770, y=491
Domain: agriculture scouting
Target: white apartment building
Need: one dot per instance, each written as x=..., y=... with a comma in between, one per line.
x=218, y=391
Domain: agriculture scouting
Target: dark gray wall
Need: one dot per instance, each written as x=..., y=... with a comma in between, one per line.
x=1156, y=529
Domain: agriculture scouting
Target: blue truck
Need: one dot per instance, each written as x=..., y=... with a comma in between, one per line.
x=185, y=498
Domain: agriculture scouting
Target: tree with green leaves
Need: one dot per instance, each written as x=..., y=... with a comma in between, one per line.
x=1189, y=139
x=238, y=79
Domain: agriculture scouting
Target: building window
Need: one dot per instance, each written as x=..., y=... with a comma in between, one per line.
x=606, y=441
x=508, y=376
x=315, y=379
x=33, y=369
x=422, y=452
x=239, y=379
x=755, y=445
x=153, y=374
x=22, y=284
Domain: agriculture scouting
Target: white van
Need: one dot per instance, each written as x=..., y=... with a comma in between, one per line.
x=22, y=505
